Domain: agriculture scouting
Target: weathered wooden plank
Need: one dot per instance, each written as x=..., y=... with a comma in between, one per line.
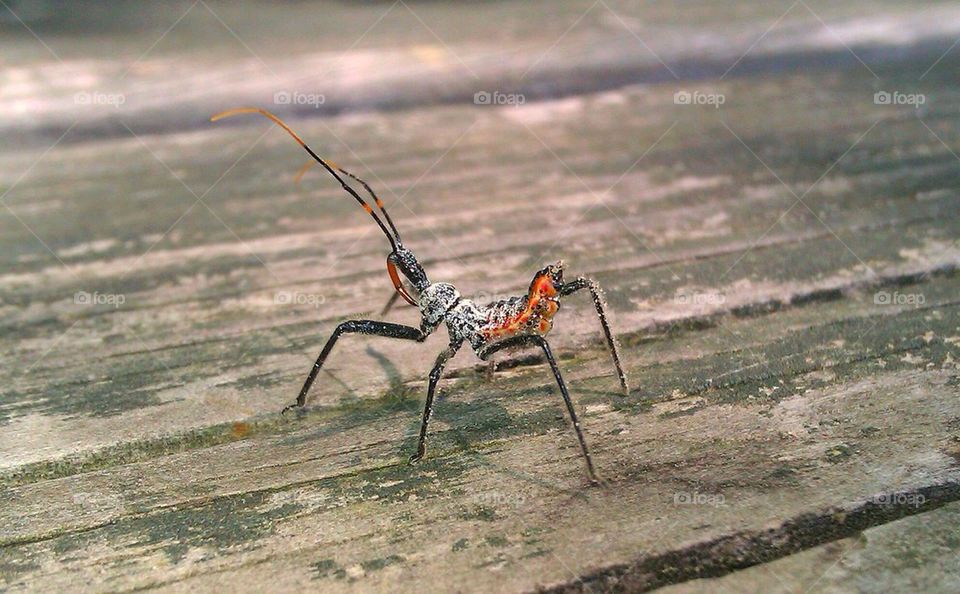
x=796, y=432
x=291, y=537
x=672, y=366
x=778, y=398
x=192, y=305
x=352, y=56
x=916, y=554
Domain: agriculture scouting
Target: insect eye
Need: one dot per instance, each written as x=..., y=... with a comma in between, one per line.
x=397, y=283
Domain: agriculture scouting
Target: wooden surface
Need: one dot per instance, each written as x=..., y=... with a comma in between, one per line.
x=782, y=273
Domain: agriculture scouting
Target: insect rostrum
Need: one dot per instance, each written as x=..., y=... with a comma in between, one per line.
x=523, y=320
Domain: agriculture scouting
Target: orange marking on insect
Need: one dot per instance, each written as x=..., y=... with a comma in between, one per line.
x=542, y=288
x=232, y=112
x=552, y=307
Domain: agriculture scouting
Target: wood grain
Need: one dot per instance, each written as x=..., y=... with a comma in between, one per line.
x=782, y=273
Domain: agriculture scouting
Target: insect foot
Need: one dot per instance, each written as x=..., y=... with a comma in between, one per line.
x=596, y=481
x=290, y=407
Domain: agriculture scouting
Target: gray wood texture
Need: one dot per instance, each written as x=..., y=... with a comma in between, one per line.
x=781, y=271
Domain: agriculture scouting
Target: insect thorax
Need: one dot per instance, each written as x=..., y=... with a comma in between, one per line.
x=436, y=300
x=483, y=324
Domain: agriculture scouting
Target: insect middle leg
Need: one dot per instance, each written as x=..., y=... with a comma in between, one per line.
x=371, y=327
x=597, y=293
x=536, y=339
x=435, y=374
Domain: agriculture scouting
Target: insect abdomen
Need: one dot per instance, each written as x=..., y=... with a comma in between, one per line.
x=532, y=313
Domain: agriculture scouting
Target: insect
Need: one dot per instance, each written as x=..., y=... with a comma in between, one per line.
x=521, y=321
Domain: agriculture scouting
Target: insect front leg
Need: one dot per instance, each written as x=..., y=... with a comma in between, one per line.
x=435, y=374
x=371, y=327
x=597, y=293
x=536, y=339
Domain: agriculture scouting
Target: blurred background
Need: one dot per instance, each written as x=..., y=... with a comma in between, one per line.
x=163, y=66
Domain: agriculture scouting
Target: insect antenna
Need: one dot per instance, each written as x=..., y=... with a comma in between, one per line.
x=303, y=171
x=332, y=168
x=378, y=202
x=306, y=167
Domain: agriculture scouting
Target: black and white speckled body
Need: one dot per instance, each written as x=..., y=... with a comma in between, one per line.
x=519, y=321
x=483, y=325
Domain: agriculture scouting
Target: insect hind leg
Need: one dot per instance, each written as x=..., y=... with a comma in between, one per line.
x=598, y=301
x=536, y=339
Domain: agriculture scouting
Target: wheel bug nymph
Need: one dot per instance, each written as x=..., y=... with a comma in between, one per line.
x=520, y=321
